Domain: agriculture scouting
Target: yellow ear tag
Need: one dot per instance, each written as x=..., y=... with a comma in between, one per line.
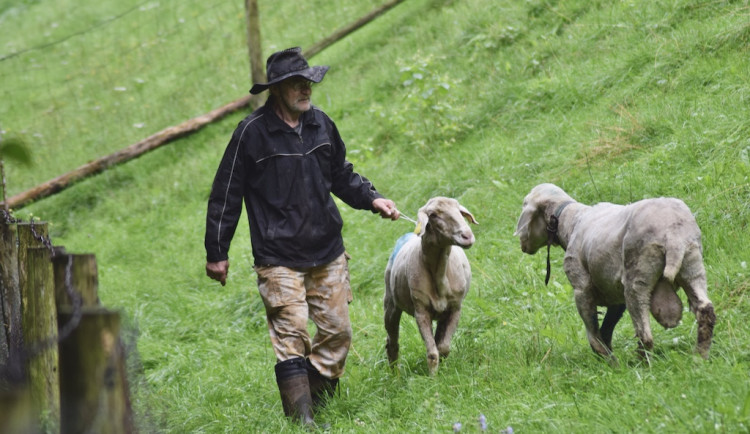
x=418, y=229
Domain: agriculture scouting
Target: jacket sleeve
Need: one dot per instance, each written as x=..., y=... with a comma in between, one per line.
x=225, y=201
x=351, y=187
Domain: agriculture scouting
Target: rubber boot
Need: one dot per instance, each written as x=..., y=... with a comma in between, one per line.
x=291, y=377
x=321, y=388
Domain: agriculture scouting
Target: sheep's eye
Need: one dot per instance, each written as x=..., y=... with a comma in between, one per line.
x=433, y=215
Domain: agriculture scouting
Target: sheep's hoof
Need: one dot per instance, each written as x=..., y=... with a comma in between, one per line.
x=645, y=354
x=702, y=349
x=392, y=352
x=613, y=362
x=444, y=351
x=609, y=356
x=703, y=353
x=706, y=321
x=432, y=363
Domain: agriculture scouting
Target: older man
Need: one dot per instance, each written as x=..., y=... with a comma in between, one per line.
x=284, y=161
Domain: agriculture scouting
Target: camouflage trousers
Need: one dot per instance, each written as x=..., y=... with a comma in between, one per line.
x=322, y=294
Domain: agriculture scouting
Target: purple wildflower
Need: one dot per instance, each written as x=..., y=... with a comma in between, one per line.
x=482, y=422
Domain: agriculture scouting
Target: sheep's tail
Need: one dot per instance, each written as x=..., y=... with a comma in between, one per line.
x=674, y=256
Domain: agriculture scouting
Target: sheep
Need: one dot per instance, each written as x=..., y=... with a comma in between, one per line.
x=632, y=256
x=428, y=276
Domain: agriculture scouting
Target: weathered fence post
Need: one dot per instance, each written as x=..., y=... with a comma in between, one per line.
x=72, y=374
x=95, y=396
x=77, y=273
x=257, y=68
x=29, y=235
x=15, y=399
x=11, y=298
x=39, y=319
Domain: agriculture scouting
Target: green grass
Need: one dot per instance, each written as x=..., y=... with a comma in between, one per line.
x=612, y=101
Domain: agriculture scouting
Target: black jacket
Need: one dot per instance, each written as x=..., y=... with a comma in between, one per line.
x=286, y=180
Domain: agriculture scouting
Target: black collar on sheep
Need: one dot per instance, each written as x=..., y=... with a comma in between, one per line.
x=552, y=234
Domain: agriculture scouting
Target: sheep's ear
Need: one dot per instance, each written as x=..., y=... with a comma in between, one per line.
x=522, y=224
x=523, y=221
x=465, y=212
x=422, y=220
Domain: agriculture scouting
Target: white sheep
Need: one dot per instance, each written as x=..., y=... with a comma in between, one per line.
x=428, y=276
x=633, y=256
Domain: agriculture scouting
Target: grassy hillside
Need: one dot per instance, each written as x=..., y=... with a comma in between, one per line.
x=478, y=100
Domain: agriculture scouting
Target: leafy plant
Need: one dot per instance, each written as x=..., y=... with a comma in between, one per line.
x=431, y=111
x=15, y=149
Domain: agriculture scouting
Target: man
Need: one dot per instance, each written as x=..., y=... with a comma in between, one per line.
x=285, y=160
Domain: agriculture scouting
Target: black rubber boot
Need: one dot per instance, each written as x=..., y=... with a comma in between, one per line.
x=321, y=388
x=291, y=377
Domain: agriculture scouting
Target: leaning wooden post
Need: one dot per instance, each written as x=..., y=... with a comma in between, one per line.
x=93, y=388
x=77, y=273
x=39, y=319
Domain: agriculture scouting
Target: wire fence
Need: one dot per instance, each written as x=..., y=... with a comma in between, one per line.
x=93, y=82
x=62, y=361
x=103, y=75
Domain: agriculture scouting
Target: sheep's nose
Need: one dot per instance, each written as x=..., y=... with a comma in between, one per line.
x=467, y=237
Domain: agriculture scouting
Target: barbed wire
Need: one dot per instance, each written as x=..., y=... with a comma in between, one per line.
x=46, y=242
x=74, y=34
x=8, y=217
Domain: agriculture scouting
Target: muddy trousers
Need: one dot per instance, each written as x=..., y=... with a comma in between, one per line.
x=321, y=294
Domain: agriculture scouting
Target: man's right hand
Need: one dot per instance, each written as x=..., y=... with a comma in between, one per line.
x=218, y=271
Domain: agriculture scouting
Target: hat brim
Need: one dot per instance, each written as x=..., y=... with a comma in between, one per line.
x=314, y=74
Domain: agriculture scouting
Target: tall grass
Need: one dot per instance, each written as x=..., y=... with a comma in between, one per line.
x=478, y=100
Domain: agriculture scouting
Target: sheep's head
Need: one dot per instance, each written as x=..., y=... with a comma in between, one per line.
x=444, y=219
x=532, y=224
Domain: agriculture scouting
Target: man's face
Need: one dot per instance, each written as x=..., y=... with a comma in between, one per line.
x=295, y=94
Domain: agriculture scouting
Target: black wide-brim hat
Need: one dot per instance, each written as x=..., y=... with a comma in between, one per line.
x=288, y=63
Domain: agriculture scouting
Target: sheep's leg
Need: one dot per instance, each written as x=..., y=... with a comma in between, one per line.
x=444, y=333
x=638, y=303
x=644, y=265
x=695, y=287
x=583, y=289
x=392, y=319
x=611, y=318
x=424, y=323
x=587, y=309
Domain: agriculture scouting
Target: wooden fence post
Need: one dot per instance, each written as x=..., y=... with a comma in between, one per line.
x=11, y=298
x=95, y=396
x=257, y=67
x=77, y=273
x=15, y=400
x=28, y=236
x=39, y=319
